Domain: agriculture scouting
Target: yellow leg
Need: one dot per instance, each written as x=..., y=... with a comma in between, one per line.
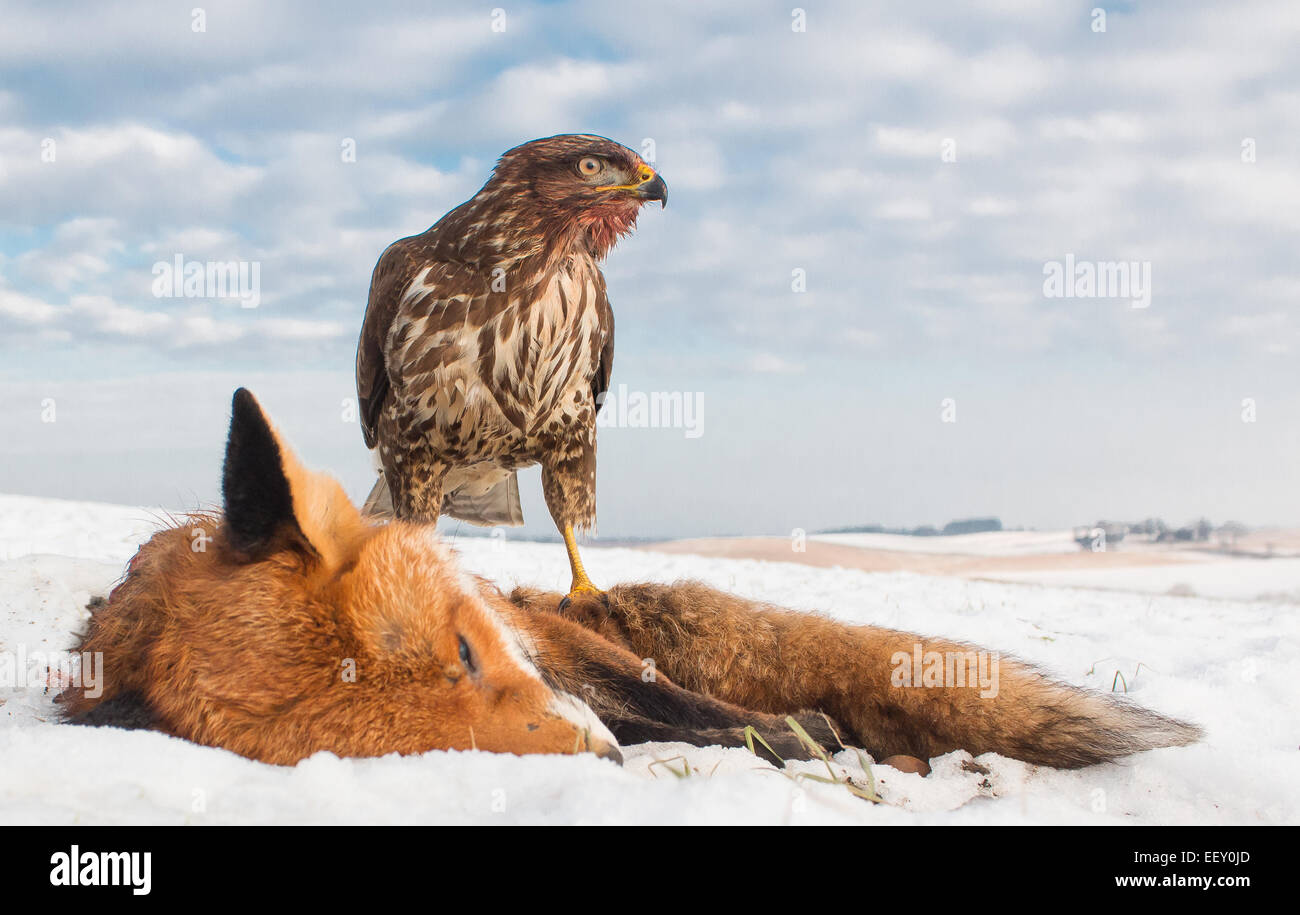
x=581, y=583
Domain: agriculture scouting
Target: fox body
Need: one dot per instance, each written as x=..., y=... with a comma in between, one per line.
x=289, y=624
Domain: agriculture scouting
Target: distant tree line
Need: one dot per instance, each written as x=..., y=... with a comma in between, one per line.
x=1157, y=531
x=1154, y=529
x=963, y=526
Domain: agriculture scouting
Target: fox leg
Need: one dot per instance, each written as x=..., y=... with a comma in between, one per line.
x=638, y=706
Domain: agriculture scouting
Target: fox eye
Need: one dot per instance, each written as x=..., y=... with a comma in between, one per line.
x=589, y=166
x=465, y=657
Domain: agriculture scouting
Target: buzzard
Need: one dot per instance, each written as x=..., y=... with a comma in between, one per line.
x=488, y=340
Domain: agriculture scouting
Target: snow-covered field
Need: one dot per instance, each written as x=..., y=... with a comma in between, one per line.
x=1230, y=665
x=986, y=543
x=1234, y=578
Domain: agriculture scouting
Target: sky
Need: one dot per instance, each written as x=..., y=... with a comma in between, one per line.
x=851, y=282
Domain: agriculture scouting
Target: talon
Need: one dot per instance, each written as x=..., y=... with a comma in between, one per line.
x=580, y=588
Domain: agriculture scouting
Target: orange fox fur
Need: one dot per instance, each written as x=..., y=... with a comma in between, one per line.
x=289, y=624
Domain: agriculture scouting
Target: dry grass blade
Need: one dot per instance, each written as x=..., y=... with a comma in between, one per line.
x=813, y=746
x=751, y=734
x=816, y=749
x=819, y=751
x=862, y=760
x=685, y=770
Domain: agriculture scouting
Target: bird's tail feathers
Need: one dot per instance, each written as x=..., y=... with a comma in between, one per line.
x=379, y=504
x=496, y=507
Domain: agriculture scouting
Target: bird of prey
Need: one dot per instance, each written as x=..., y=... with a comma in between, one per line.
x=488, y=340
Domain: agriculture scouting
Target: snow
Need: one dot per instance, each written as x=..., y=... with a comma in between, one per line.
x=1232, y=578
x=985, y=543
x=1230, y=665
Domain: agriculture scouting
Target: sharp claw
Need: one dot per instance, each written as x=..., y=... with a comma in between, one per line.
x=582, y=590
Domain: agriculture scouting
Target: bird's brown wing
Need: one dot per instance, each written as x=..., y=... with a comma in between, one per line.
x=424, y=314
x=391, y=275
x=605, y=367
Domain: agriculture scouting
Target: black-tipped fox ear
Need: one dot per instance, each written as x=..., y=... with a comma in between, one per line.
x=254, y=485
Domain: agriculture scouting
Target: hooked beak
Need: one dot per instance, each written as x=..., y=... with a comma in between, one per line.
x=654, y=189
x=647, y=186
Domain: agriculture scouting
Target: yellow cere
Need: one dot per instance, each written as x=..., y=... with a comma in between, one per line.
x=644, y=174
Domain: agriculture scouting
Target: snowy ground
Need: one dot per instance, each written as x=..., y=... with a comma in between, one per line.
x=1229, y=665
x=986, y=543
x=1234, y=578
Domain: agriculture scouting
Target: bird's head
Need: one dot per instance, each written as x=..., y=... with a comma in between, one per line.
x=578, y=185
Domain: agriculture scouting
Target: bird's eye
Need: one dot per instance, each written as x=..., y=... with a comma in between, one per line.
x=465, y=657
x=589, y=165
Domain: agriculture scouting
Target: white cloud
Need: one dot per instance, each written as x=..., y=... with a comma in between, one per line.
x=25, y=309
x=188, y=325
x=904, y=210
x=79, y=252
x=128, y=172
x=771, y=364
x=990, y=205
x=531, y=100
x=1101, y=127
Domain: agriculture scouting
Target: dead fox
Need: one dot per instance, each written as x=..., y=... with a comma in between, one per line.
x=288, y=624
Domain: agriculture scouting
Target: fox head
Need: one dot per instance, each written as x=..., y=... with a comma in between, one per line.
x=298, y=626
